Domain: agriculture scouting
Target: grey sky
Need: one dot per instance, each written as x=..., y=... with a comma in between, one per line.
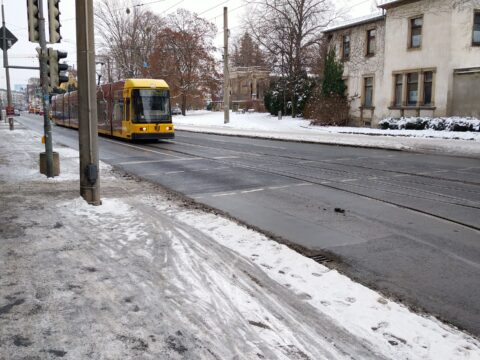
x=23, y=52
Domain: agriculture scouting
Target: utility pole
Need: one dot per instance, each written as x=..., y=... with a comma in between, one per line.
x=5, y=65
x=87, y=101
x=226, y=76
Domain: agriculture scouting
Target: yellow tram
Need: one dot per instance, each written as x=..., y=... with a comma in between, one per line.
x=133, y=109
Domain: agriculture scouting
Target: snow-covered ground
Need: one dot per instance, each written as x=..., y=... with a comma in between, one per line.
x=267, y=126
x=149, y=275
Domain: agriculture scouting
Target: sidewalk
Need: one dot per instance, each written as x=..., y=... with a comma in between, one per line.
x=150, y=275
x=263, y=125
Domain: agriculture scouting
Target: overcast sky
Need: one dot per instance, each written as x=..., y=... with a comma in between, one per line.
x=23, y=52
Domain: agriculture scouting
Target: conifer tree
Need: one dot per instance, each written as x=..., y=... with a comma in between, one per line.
x=333, y=83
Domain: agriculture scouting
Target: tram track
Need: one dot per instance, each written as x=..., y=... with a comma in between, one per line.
x=322, y=181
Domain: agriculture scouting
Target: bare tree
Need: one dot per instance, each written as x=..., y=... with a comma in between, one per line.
x=288, y=30
x=127, y=36
x=182, y=55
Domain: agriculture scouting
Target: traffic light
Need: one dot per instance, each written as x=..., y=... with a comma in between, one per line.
x=55, y=69
x=54, y=21
x=33, y=22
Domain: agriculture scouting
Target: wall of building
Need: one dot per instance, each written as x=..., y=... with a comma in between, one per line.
x=359, y=65
x=446, y=46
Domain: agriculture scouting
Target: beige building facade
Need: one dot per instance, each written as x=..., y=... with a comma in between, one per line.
x=248, y=86
x=425, y=62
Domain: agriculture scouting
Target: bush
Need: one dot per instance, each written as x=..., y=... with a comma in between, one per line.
x=440, y=124
x=331, y=110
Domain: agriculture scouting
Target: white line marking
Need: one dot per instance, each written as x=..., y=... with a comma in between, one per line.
x=278, y=187
x=140, y=148
x=307, y=162
x=326, y=182
x=303, y=184
x=156, y=161
x=251, y=191
x=225, y=157
x=174, y=172
x=441, y=171
x=225, y=194
x=372, y=178
x=348, y=180
x=401, y=175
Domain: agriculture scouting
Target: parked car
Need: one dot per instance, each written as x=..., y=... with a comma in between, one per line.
x=16, y=112
x=176, y=111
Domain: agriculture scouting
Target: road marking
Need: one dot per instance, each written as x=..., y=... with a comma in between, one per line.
x=440, y=171
x=372, y=178
x=225, y=194
x=326, y=182
x=251, y=191
x=348, y=180
x=278, y=187
x=225, y=157
x=156, y=161
x=302, y=184
x=221, y=167
x=140, y=148
x=400, y=175
x=174, y=172
x=307, y=162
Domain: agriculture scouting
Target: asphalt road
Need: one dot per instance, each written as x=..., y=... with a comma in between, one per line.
x=404, y=223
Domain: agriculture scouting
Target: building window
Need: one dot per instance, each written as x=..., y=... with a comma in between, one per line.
x=346, y=47
x=427, y=87
x=416, y=26
x=412, y=89
x=398, y=89
x=476, y=28
x=371, y=34
x=368, y=92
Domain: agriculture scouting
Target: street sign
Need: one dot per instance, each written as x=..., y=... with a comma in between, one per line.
x=11, y=39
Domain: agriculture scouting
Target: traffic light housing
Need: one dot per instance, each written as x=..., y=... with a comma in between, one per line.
x=54, y=21
x=55, y=69
x=33, y=22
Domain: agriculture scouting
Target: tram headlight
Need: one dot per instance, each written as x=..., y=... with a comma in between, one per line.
x=143, y=129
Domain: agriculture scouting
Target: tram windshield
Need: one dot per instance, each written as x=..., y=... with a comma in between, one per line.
x=150, y=105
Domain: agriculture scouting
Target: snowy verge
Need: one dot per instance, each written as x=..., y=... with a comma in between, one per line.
x=264, y=125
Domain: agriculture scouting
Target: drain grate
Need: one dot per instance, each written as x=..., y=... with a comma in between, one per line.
x=322, y=259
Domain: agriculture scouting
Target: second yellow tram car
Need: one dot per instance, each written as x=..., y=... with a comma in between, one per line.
x=133, y=109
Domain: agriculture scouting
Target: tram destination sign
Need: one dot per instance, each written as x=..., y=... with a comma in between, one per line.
x=11, y=39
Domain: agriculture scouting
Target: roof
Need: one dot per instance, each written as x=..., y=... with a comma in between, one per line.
x=355, y=22
x=146, y=83
x=394, y=3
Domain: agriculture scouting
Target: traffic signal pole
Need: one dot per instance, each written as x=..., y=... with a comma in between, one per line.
x=5, y=65
x=87, y=102
x=43, y=58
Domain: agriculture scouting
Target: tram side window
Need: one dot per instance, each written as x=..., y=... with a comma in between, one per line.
x=118, y=110
x=102, y=111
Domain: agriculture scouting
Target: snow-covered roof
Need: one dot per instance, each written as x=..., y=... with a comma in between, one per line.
x=355, y=22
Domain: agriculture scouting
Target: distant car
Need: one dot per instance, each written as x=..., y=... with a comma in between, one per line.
x=176, y=111
x=16, y=112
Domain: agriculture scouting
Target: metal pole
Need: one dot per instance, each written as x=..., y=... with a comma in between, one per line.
x=43, y=58
x=87, y=101
x=5, y=64
x=226, y=80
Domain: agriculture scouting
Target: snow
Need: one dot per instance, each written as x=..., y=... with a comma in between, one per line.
x=145, y=276
x=265, y=125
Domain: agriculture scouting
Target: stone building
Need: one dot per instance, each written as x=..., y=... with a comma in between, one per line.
x=247, y=87
x=418, y=58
